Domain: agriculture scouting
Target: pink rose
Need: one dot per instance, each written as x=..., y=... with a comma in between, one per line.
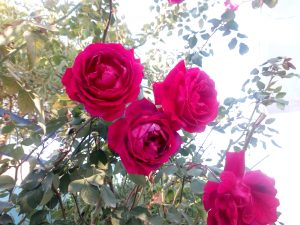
x=104, y=78
x=175, y=1
x=240, y=198
x=189, y=96
x=230, y=5
x=144, y=139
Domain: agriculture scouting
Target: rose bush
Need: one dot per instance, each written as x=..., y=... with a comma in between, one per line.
x=144, y=139
x=189, y=96
x=240, y=198
x=104, y=78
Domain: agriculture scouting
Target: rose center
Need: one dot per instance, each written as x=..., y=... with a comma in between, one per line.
x=149, y=138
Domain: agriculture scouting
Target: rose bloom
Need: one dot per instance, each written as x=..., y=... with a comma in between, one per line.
x=144, y=138
x=240, y=198
x=175, y=1
x=230, y=5
x=104, y=78
x=189, y=96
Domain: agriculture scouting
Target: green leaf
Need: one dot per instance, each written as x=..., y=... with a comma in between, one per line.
x=193, y=41
x=170, y=169
x=197, y=59
x=138, y=179
x=6, y=182
x=17, y=153
x=33, y=179
x=270, y=120
x=10, y=85
x=29, y=200
x=229, y=101
x=77, y=185
x=271, y=3
x=25, y=101
x=255, y=71
x=197, y=186
x=90, y=195
x=228, y=15
x=108, y=197
x=280, y=95
x=232, y=43
x=174, y=216
x=239, y=35
x=6, y=219
x=156, y=220
x=260, y=85
x=274, y=143
x=253, y=141
x=7, y=129
x=194, y=172
x=38, y=217
x=243, y=49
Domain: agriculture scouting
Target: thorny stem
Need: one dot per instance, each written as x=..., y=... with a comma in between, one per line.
x=108, y=22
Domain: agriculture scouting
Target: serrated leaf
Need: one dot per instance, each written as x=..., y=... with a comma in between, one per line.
x=232, y=43
x=138, y=179
x=243, y=49
x=156, y=220
x=108, y=197
x=6, y=182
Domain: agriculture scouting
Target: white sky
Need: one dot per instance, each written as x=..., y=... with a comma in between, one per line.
x=272, y=33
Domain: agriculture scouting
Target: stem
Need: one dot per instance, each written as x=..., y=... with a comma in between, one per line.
x=68, y=14
x=134, y=198
x=60, y=201
x=108, y=22
x=210, y=37
x=181, y=190
x=249, y=135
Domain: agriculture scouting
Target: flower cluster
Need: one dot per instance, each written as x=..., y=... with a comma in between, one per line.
x=106, y=79
x=240, y=198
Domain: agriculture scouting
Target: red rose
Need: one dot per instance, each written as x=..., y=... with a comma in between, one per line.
x=240, y=198
x=175, y=1
x=104, y=78
x=189, y=96
x=143, y=139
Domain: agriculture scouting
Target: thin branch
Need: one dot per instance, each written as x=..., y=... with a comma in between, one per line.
x=68, y=14
x=249, y=135
x=60, y=201
x=108, y=22
x=181, y=190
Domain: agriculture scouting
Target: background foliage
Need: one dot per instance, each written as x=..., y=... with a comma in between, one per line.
x=74, y=178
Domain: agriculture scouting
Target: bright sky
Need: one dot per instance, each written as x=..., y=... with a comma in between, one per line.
x=272, y=33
